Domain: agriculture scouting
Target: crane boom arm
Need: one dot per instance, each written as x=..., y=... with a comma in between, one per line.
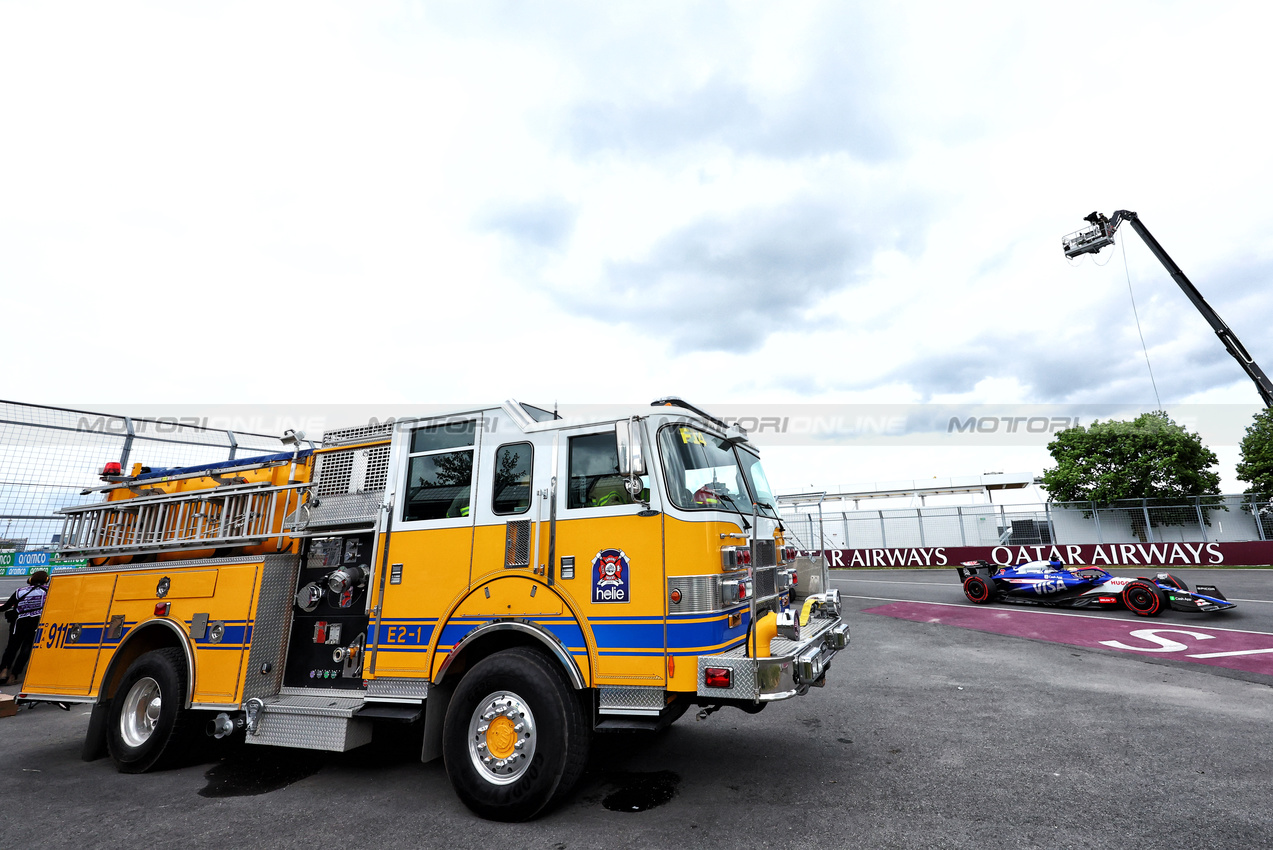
x=1101, y=234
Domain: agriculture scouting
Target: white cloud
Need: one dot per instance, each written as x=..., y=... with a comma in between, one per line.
x=401, y=202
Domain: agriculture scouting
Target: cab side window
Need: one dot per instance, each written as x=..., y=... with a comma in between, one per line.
x=440, y=471
x=595, y=481
x=511, y=493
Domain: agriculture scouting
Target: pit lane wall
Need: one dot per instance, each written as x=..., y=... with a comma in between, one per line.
x=1247, y=554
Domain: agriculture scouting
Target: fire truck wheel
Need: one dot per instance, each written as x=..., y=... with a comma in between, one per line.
x=147, y=722
x=515, y=738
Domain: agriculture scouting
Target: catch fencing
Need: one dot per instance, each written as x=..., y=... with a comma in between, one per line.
x=51, y=457
x=1204, y=519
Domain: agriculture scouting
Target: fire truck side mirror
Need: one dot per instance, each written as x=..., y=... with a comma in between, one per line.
x=631, y=459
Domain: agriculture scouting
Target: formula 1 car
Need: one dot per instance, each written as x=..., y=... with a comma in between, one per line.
x=1053, y=584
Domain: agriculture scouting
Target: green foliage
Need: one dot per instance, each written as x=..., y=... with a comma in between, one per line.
x=1256, y=449
x=1150, y=457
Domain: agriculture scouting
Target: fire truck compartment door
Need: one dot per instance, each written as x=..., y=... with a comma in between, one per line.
x=71, y=634
x=175, y=584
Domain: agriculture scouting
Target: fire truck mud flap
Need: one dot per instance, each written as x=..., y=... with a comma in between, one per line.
x=791, y=669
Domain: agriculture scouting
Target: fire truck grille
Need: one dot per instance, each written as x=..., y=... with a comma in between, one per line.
x=766, y=553
x=352, y=471
x=517, y=543
x=377, y=469
x=765, y=582
x=359, y=434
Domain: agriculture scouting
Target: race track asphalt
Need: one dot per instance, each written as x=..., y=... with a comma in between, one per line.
x=928, y=734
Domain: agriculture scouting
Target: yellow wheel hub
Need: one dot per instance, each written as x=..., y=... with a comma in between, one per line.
x=500, y=737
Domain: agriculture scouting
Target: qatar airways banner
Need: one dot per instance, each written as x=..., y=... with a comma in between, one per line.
x=1251, y=554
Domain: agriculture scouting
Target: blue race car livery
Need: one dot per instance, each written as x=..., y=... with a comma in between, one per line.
x=1054, y=584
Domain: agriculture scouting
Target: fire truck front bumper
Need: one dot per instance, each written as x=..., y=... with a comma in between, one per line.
x=792, y=667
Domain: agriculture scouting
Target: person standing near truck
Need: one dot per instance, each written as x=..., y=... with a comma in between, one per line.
x=26, y=605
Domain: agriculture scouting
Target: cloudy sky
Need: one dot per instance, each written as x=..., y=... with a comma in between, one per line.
x=741, y=203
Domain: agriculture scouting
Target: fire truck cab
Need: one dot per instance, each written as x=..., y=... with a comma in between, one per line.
x=513, y=580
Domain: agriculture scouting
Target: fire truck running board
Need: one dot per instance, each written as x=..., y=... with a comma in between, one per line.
x=630, y=724
x=399, y=713
x=312, y=723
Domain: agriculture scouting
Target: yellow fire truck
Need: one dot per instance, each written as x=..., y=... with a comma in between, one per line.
x=511, y=580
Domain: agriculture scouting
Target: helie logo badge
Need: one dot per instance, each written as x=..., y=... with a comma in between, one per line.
x=610, y=576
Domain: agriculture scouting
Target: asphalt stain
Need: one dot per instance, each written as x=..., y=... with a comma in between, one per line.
x=637, y=792
x=251, y=775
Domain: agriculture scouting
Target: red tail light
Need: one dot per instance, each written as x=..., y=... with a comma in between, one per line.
x=795, y=578
x=717, y=677
x=161, y=609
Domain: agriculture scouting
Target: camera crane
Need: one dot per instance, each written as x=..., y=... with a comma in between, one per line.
x=1101, y=233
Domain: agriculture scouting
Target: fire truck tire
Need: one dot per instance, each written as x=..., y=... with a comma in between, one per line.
x=515, y=738
x=147, y=723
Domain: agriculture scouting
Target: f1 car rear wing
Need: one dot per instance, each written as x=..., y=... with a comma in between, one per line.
x=971, y=568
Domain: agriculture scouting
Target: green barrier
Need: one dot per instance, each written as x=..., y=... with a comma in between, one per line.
x=26, y=563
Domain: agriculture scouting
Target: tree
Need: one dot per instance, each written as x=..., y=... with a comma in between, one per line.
x=1256, y=450
x=1256, y=469
x=1150, y=457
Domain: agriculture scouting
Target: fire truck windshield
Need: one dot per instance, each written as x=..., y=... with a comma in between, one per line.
x=759, y=484
x=704, y=473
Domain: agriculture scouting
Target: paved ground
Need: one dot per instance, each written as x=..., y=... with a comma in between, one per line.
x=929, y=735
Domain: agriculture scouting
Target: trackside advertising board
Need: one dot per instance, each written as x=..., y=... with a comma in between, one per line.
x=25, y=563
x=1249, y=554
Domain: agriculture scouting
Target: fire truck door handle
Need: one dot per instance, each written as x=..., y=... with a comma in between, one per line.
x=552, y=531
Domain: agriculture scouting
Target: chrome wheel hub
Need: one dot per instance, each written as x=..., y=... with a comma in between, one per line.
x=502, y=738
x=142, y=707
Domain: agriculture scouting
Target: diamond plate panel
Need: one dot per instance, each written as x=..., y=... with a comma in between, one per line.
x=817, y=627
x=407, y=689
x=317, y=705
x=272, y=624
x=630, y=700
x=339, y=510
x=766, y=553
x=194, y=562
x=743, y=676
x=310, y=732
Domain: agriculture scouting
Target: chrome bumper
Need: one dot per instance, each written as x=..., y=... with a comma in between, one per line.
x=792, y=668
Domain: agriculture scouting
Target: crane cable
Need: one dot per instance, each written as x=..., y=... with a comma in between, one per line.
x=1123, y=245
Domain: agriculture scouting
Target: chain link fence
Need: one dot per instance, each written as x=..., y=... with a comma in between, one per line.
x=49, y=457
x=1206, y=519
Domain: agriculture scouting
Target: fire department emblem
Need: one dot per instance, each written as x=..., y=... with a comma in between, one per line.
x=610, y=576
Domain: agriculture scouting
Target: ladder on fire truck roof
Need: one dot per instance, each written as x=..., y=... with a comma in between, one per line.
x=231, y=514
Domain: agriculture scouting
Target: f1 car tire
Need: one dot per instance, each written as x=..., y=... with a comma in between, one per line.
x=515, y=738
x=1143, y=598
x=979, y=589
x=1178, y=583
